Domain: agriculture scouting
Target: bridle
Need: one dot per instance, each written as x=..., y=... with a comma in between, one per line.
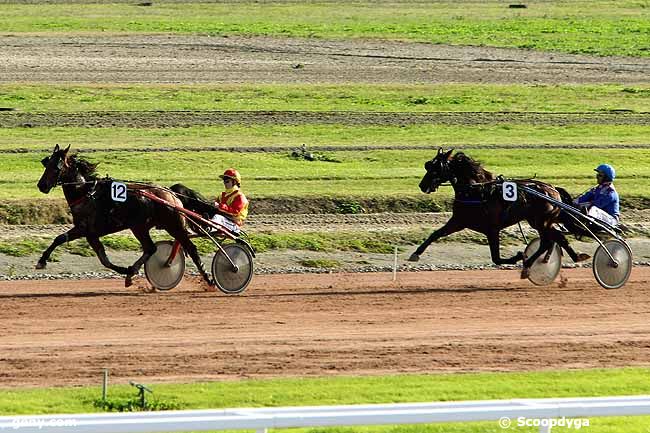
x=59, y=169
x=445, y=173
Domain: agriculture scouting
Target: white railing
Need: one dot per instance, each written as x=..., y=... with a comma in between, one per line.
x=507, y=413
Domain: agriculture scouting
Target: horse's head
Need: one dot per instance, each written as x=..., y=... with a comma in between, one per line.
x=56, y=166
x=438, y=172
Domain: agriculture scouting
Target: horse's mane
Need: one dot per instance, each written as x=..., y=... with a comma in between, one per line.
x=86, y=168
x=470, y=168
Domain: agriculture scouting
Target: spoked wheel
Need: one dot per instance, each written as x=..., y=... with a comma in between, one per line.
x=612, y=275
x=228, y=279
x=162, y=273
x=543, y=271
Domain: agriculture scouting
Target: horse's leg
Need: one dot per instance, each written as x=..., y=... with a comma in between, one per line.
x=72, y=234
x=452, y=226
x=148, y=249
x=546, y=243
x=562, y=241
x=495, y=250
x=189, y=247
x=98, y=247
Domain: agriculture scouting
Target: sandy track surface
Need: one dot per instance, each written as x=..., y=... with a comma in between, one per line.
x=64, y=332
x=203, y=59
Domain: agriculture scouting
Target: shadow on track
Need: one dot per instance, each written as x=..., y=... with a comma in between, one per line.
x=395, y=291
x=67, y=295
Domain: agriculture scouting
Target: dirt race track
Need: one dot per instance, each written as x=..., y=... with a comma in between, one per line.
x=64, y=332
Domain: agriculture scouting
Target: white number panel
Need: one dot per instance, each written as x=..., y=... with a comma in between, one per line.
x=118, y=191
x=509, y=191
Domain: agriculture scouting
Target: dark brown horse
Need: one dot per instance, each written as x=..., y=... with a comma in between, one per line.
x=479, y=206
x=96, y=214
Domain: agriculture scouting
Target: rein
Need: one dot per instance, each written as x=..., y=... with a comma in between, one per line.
x=141, y=184
x=87, y=196
x=138, y=187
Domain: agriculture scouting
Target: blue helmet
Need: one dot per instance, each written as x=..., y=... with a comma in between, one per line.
x=607, y=170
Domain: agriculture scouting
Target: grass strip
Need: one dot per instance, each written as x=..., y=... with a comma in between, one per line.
x=587, y=27
x=366, y=242
x=592, y=136
x=416, y=98
x=377, y=173
x=362, y=390
x=362, y=241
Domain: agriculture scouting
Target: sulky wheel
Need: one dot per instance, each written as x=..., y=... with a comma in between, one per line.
x=228, y=279
x=543, y=272
x=162, y=273
x=612, y=275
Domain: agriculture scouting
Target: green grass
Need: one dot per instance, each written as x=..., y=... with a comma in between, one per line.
x=367, y=242
x=274, y=136
x=364, y=174
x=591, y=27
x=264, y=242
x=363, y=242
x=363, y=390
x=22, y=247
x=327, y=97
x=320, y=263
x=27, y=246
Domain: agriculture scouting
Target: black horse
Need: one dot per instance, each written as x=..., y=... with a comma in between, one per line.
x=96, y=214
x=479, y=206
x=194, y=201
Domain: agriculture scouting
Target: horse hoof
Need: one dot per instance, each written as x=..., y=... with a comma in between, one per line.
x=40, y=265
x=582, y=257
x=211, y=286
x=414, y=258
x=524, y=273
x=128, y=281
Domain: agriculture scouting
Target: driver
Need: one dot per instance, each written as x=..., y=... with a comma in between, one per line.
x=232, y=205
x=602, y=201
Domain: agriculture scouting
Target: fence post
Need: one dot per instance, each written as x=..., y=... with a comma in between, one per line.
x=105, y=384
x=395, y=265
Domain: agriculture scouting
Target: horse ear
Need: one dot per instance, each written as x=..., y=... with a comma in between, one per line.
x=56, y=147
x=448, y=154
x=439, y=150
x=66, y=149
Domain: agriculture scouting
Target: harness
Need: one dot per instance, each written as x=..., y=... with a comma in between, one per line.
x=87, y=196
x=475, y=194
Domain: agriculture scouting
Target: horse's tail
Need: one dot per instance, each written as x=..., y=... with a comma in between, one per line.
x=564, y=194
x=193, y=200
x=567, y=220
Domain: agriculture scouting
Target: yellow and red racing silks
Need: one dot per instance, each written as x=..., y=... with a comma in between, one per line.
x=234, y=203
